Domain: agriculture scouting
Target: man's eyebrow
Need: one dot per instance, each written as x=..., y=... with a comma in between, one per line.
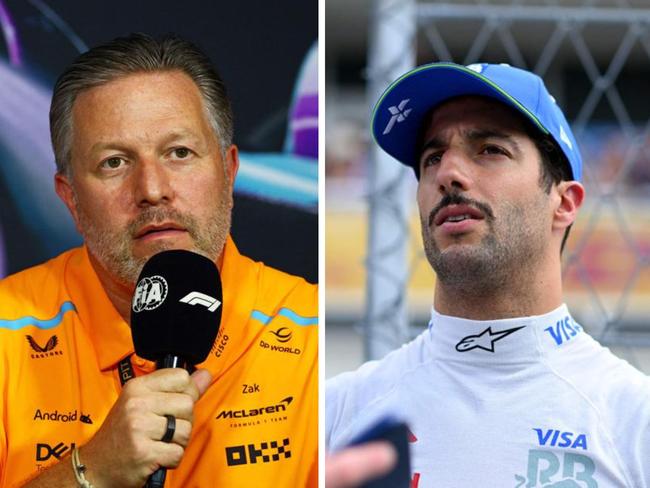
x=107, y=145
x=180, y=134
x=481, y=134
x=175, y=135
x=473, y=135
x=433, y=143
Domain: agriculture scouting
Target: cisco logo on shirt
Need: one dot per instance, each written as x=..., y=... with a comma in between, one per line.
x=220, y=343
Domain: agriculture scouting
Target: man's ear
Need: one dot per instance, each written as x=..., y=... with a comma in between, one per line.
x=571, y=196
x=63, y=188
x=232, y=165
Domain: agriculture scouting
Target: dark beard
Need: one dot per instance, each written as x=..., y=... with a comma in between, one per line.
x=112, y=248
x=498, y=261
x=476, y=270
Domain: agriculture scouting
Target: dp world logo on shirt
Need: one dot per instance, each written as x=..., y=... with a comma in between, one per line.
x=150, y=293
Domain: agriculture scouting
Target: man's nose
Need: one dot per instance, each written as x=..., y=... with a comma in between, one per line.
x=453, y=171
x=152, y=183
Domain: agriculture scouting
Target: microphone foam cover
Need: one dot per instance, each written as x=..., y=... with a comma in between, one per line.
x=176, y=307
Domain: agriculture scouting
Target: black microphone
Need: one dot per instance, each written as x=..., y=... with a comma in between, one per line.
x=175, y=314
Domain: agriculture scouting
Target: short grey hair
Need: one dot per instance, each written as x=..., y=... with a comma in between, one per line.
x=136, y=53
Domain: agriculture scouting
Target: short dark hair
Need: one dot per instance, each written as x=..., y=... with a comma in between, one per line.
x=136, y=53
x=555, y=166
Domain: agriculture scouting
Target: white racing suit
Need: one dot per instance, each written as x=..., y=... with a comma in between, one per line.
x=522, y=403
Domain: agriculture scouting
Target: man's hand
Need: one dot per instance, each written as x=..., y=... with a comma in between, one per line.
x=354, y=465
x=127, y=449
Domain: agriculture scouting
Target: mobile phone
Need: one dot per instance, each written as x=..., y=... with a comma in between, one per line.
x=395, y=432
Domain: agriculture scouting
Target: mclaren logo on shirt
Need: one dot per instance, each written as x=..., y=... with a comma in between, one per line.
x=46, y=351
x=254, y=412
x=256, y=416
x=264, y=452
x=485, y=340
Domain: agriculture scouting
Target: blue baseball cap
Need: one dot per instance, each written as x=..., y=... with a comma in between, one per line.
x=400, y=112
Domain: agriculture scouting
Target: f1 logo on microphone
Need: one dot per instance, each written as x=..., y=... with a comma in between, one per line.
x=198, y=298
x=45, y=451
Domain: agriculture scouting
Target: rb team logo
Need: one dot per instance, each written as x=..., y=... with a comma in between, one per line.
x=553, y=469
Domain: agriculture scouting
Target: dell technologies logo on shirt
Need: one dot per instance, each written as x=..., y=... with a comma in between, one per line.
x=46, y=451
x=485, y=340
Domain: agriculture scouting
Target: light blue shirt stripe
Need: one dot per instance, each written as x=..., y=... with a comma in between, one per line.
x=41, y=324
x=285, y=312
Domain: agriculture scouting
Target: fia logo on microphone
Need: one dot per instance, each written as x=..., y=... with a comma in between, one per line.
x=150, y=293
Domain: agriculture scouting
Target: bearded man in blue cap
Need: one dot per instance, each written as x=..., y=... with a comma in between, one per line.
x=504, y=388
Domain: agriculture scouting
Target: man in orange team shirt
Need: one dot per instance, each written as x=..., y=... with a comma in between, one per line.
x=142, y=135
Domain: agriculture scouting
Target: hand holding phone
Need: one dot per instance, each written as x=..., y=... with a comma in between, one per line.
x=395, y=433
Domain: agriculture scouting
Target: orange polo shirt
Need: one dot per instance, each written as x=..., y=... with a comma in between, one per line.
x=61, y=342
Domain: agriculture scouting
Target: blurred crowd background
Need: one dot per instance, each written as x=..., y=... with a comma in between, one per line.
x=594, y=56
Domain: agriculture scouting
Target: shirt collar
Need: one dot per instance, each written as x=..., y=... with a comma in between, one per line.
x=239, y=280
x=111, y=335
x=515, y=340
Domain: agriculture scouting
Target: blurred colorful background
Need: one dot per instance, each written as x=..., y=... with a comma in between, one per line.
x=269, y=64
x=594, y=56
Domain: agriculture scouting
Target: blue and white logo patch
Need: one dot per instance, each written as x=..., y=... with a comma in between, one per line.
x=398, y=114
